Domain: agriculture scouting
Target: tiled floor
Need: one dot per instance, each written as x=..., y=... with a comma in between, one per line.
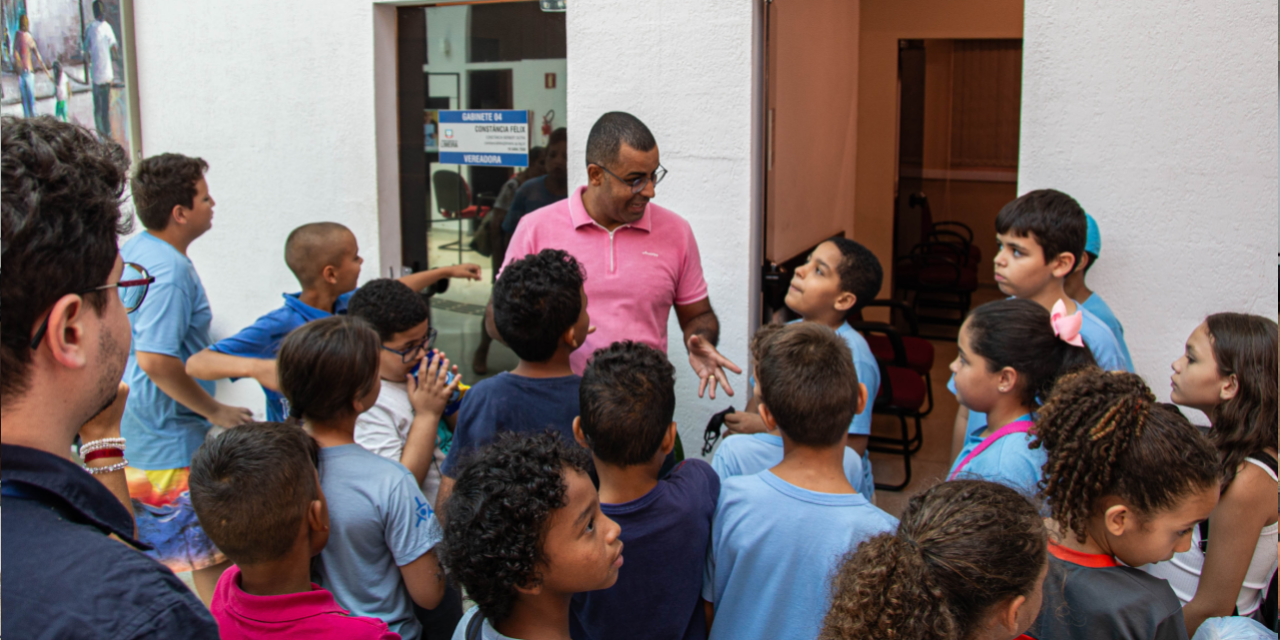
x=457, y=314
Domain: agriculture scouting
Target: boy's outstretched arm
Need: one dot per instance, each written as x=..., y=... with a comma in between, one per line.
x=211, y=365
x=170, y=375
x=424, y=578
x=423, y=279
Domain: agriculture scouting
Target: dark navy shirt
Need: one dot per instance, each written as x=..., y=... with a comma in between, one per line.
x=531, y=196
x=66, y=578
x=508, y=402
x=665, y=536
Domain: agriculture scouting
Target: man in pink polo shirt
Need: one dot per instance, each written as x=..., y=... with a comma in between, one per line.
x=641, y=259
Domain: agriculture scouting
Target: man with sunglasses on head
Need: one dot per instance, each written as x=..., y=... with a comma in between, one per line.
x=64, y=301
x=641, y=259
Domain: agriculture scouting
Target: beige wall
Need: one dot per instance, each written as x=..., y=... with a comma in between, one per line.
x=884, y=22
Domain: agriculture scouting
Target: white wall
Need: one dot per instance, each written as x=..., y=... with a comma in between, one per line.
x=685, y=69
x=1161, y=119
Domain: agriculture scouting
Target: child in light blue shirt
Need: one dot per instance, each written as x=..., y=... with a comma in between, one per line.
x=1008, y=358
x=839, y=276
x=1091, y=300
x=779, y=535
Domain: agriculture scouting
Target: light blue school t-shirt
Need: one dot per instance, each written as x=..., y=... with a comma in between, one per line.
x=1099, y=308
x=379, y=521
x=1102, y=344
x=1009, y=461
x=749, y=454
x=487, y=632
x=173, y=321
x=774, y=549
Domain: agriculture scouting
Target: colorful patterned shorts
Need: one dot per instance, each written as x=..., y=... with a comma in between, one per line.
x=167, y=521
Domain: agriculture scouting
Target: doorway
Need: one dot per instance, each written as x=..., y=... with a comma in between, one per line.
x=485, y=55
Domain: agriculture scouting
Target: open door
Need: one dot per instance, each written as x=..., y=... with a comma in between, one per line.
x=811, y=94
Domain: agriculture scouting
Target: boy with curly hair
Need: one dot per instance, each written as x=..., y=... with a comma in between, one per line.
x=521, y=566
x=628, y=399
x=540, y=310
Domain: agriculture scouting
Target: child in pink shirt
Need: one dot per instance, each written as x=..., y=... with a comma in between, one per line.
x=257, y=493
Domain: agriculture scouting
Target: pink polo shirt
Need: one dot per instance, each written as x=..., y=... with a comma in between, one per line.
x=310, y=615
x=634, y=274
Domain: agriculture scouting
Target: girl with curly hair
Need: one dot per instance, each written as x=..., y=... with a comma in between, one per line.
x=1126, y=480
x=1010, y=354
x=523, y=533
x=922, y=582
x=1228, y=371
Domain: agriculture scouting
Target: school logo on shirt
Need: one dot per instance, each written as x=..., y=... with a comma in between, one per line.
x=648, y=253
x=422, y=510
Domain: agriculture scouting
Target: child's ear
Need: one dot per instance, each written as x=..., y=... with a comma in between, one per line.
x=1230, y=387
x=569, y=338
x=1119, y=518
x=1008, y=380
x=577, y=433
x=1062, y=264
x=845, y=301
x=531, y=589
x=1007, y=614
x=329, y=274
x=766, y=416
x=178, y=215
x=862, y=398
x=669, y=440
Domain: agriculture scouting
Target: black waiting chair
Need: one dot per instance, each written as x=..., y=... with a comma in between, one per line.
x=453, y=200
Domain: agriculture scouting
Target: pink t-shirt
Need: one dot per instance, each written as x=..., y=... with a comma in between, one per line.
x=300, y=616
x=634, y=274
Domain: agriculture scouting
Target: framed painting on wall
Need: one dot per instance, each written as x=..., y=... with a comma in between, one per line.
x=73, y=60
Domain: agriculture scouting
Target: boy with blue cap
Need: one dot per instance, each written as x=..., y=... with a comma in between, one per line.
x=1089, y=299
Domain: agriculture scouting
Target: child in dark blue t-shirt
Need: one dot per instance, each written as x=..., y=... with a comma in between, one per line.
x=540, y=311
x=628, y=399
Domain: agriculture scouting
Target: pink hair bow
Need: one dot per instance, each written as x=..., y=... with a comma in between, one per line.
x=1066, y=326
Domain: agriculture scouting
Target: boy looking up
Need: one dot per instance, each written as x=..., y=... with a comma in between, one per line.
x=1040, y=237
x=540, y=310
x=779, y=535
x=1088, y=298
x=258, y=495
x=403, y=424
x=325, y=258
x=168, y=413
x=521, y=566
x=837, y=279
x=628, y=399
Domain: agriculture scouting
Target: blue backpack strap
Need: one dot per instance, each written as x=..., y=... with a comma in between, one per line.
x=476, y=627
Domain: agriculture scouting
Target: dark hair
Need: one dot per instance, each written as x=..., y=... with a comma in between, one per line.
x=1245, y=346
x=536, y=300
x=1093, y=259
x=611, y=131
x=1105, y=435
x=808, y=381
x=251, y=488
x=312, y=247
x=627, y=398
x=98, y=10
x=860, y=271
x=1054, y=219
x=962, y=548
x=163, y=182
x=499, y=512
x=559, y=136
x=61, y=209
x=390, y=306
x=325, y=364
x=1017, y=333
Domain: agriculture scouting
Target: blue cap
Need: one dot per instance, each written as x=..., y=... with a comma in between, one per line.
x=1093, y=239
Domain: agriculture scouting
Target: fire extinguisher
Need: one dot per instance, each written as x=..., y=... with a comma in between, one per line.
x=547, y=119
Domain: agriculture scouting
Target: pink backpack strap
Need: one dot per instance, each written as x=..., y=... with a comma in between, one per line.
x=1017, y=426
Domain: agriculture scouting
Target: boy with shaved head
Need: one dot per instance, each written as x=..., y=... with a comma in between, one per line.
x=325, y=258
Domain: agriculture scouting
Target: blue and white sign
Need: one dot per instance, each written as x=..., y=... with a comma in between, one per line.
x=485, y=138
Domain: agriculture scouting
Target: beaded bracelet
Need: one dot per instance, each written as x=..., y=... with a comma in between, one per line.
x=103, y=443
x=111, y=468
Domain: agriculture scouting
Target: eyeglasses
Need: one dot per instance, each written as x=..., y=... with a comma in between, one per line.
x=414, y=353
x=132, y=287
x=638, y=184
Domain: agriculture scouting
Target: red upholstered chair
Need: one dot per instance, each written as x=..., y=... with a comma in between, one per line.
x=918, y=351
x=453, y=199
x=902, y=394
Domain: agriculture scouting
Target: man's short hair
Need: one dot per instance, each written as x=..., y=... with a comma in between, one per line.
x=860, y=271
x=628, y=398
x=99, y=10
x=251, y=488
x=312, y=247
x=61, y=209
x=499, y=512
x=163, y=182
x=608, y=134
x=389, y=305
x=536, y=300
x=1054, y=219
x=559, y=136
x=808, y=382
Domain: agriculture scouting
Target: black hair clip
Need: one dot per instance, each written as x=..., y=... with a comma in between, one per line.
x=712, y=434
